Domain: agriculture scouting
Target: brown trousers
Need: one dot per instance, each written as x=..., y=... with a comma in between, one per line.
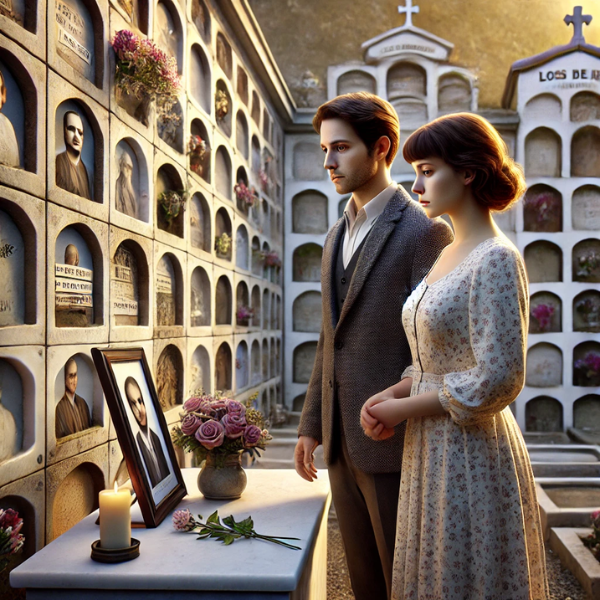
x=366, y=506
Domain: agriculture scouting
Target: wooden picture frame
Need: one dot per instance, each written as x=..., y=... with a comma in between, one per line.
x=141, y=430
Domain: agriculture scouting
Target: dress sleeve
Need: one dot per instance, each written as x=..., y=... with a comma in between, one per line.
x=498, y=320
x=408, y=372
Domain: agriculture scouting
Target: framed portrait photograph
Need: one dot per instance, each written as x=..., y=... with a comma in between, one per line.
x=141, y=430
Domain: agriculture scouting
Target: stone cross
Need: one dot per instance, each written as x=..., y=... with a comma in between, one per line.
x=577, y=20
x=409, y=9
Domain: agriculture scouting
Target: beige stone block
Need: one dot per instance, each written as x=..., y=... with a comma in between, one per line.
x=88, y=387
x=200, y=284
x=200, y=364
x=61, y=90
x=200, y=216
x=32, y=37
x=29, y=216
x=95, y=234
x=170, y=375
x=30, y=74
x=72, y=488
x=178, y=260
x=29, y=363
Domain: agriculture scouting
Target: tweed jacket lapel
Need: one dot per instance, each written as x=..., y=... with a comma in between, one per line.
x=374, y=244
x=328, y=270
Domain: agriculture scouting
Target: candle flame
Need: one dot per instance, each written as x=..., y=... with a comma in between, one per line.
x=116, y=489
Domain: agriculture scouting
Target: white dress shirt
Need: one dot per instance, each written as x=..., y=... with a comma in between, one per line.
x=359, y=224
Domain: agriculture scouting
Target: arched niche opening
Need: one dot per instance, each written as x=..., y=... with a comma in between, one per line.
x=543, y=414
x=586, y=261
x=27, y=512
x=169, y=291
x=255, y=156
x=545, y=313
x=200, y=371
x=308, y=162
x=169, y=378
x=223, y=107
x=224, y=55
x=135, y=12
x=223, y=302
x=241, y=365
x=266, y=302
x=303, y=361
x=586, y=413
x=12, y=418
x=168, y=32
x=130, y=285
x=132, y=184
x=241, y=133
x=266, y=126
x=199, y=150
x=543, y=261
x=278, y=365
x=255, y=110
x=241, y=248
x=307, y=312
x=273, y=312
x=242, y=304
x=265, y=360
x=245, y=194
x=356, y=81
x=306, y=262
x=585, y=152
x=23, y=13
x=255, y=300
x=78, y=278
x=585, y=208
x=543, y=154
x=76, y=497
x=200, y=77
x=223, y=234
x=201, y=19
x=586, y=311
x=585, y=106
x=200, y=225
x=169, y=127
x=242, y=85
x=406, y=79
x=542, y=209
x=586, y=364
x=223, y=172
x=273, y=358
x=454, y=94
x=410, y=110
x=78, y=135
x=266, y=219
x=544, y=366
x=309, y=212
x=547, y=107
x=298, y=403
x=223, y=370
x=170, y=201
x=255, y=375
x=200, y=313
x=266, y=249
x=256, y=259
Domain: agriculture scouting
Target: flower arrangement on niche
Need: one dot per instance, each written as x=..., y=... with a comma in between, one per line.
x=146, y=72
x=221, y=105
x=543, y=205
x=197, y=149
x=587, y=263
x=590, y=364
x=11, y=540
x=270, y=258
x=245, y=194
x=264, y=180
x=172, y=203
x=592, y=541
x=244, y=314
x=543, y=313
x=223, y=244
x=589, y=311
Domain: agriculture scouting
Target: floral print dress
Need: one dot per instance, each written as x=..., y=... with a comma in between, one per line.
x=468, y=520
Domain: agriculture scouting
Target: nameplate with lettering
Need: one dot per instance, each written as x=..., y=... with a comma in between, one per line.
x=121, y=306
x=121, y=273
x=68, y=301
x=405, y=43
x=120, y=289
x=71, y=29
x=6, y=305
x=72, y=286
x=73, y=272
x=164, y=284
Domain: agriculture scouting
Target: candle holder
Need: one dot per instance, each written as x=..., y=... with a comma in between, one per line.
x=115, y=555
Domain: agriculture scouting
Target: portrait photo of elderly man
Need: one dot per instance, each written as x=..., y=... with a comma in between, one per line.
x=71, y=174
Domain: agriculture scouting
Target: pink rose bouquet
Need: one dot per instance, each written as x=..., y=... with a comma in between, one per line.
x=11, y=540
x=592, y=541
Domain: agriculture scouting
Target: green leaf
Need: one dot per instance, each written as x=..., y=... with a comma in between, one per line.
x=214, y=518
x=228, y=539
x=229, y=521
x=247, y=525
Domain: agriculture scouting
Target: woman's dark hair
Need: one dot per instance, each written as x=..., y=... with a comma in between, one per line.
x=468, y=142
x=369, y=115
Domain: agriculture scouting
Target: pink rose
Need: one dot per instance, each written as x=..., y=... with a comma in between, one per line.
x=189, y=424
x=234, y=425
x=235, y=407
x=252, y=435
x=192, y=404
x=183, y=520
x=210, y=434
x=219, y=408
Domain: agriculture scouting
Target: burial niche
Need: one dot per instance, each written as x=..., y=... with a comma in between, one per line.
x=265, y=309
x=12, y=119
x=128, y=274
x=454, y=94
x=543, y=156
x=406, y=79
x=223, y=368
x=542, y=209
x=168, y=298
x=241, y=133
x=307, y=312
x=266, y=128
x=273, y=360
x=543, y=261
x=74, y=280
x=304, y=360
x=255, y=363
x=543, y=414
x=169, y=378
x=200, y=78
x=256, y=306
x=545, y=313
x=307, y=262
x=200, y=371
x=199, y=150
x=200, y=299
x=11, y=411
x=74, y=390
x=255, y=111
x=544, y=366
x=131, y=187
x=200, y=222
x=585, y=152
x=308, y=162
x=223, y=234
x=255, y=156
x=585, y=208
x=256, y=257
x=223, y=302
x=170, y=200
x=585, y=106
x=242, y=85
x=13, y=300
x=223, y=107
x=586, y=311
x=201, y=19
x=265, y=360
x=224, y=55
x=356, y=81
x=223, y=172
x=242, y=303
x=546, y=107
x=168, y=31
x=241, y=365
x=309, y=212
x=246, y=196
x=169, y=127
x=586, y=413
x=586, y=261
x=241, y=248
x=136, y=13
x=586, y=364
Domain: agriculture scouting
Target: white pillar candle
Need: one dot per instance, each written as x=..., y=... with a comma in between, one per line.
x=115, y=518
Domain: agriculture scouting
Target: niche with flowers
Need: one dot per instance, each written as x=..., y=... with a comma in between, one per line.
x=586, y=311
x=586, y=364
x=586, y=261
x=542, y=209
x=545, y=313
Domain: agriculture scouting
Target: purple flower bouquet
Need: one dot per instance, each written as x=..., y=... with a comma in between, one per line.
x=11, y=540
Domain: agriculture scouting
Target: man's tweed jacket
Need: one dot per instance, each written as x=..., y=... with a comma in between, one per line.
x=365, y=350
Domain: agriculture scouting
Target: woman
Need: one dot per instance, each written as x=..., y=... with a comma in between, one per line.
x=468, y=521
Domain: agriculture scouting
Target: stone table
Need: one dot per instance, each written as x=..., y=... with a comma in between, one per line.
x=174, y=565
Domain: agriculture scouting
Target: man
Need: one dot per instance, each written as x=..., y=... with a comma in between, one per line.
x=71, y=174
x=148, y=441
x=9, y=147
x=126, y=200
x=373, y=258
x=72, y=412
x=72, y=255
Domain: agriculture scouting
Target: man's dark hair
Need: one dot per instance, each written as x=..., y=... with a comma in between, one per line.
x=131, y=381
x=369, y=115
x=71, y=112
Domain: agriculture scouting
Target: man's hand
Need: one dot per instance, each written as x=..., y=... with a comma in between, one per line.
x=304, y=457
x=372, y=426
